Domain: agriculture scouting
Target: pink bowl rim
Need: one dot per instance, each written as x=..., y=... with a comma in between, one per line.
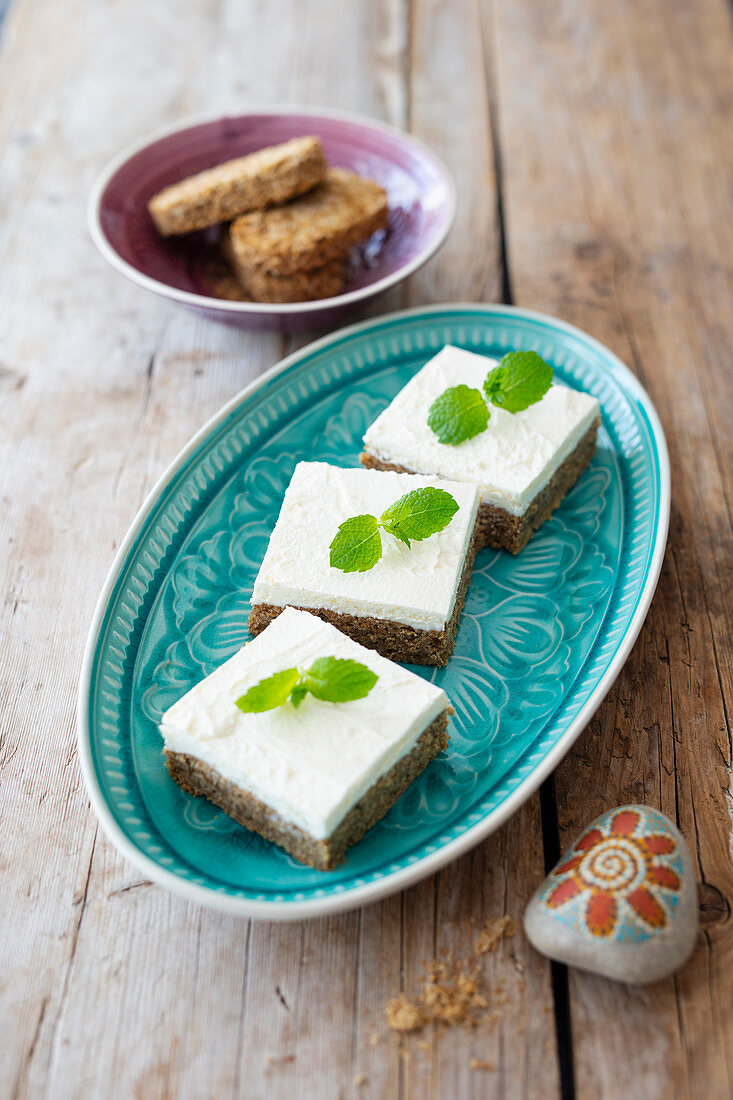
x=110, y=254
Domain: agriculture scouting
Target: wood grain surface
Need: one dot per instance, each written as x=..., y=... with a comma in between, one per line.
x=591, y=147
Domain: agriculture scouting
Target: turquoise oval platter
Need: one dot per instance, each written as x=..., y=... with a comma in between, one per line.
x=542, y=637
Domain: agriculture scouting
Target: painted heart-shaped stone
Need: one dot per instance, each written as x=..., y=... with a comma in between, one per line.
x=622, y=901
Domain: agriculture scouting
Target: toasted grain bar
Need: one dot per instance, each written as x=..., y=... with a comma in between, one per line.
x=303, y=286
x=313, y=229
x=254, y=182
x=219, y=281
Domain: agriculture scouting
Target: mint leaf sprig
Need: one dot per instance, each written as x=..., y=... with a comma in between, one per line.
x=357, y=545
x=459, y=413
x=333, y=679
x=519, y=380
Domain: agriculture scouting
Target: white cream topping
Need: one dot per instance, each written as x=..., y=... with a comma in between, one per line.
x=313, y=763
x=413, y=585
x=511, y=461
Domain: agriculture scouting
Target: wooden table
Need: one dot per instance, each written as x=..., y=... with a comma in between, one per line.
x=591, y=146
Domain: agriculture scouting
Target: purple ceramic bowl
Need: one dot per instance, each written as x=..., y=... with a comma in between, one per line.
x=420, y=192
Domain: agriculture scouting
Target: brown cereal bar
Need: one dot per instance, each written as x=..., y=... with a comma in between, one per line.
x=265, y=178
x=303, y=286
x=313, y=229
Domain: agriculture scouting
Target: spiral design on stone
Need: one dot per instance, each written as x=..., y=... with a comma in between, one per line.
x=614, y=865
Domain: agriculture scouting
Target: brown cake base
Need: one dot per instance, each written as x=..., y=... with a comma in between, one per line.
x=397, y=641
x=498, y=528
x=201, y=779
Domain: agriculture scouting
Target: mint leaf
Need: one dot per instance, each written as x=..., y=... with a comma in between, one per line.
x=356, y=546
x=393, y=529
x=332, y=679
x=270, y=692
x=458, y=414
x=419, y=514
x=299, y=693
x=339, y=680
x=520, y=379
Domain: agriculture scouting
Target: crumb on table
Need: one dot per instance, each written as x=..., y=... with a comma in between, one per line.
x=452, y=994
x=492, y=932
x=404, y=1015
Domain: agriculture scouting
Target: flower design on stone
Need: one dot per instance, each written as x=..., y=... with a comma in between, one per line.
x=616, y=864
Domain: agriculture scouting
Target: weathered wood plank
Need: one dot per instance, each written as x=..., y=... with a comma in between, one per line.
x=616, y=139
x=517, y=1038
x=450, y=110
